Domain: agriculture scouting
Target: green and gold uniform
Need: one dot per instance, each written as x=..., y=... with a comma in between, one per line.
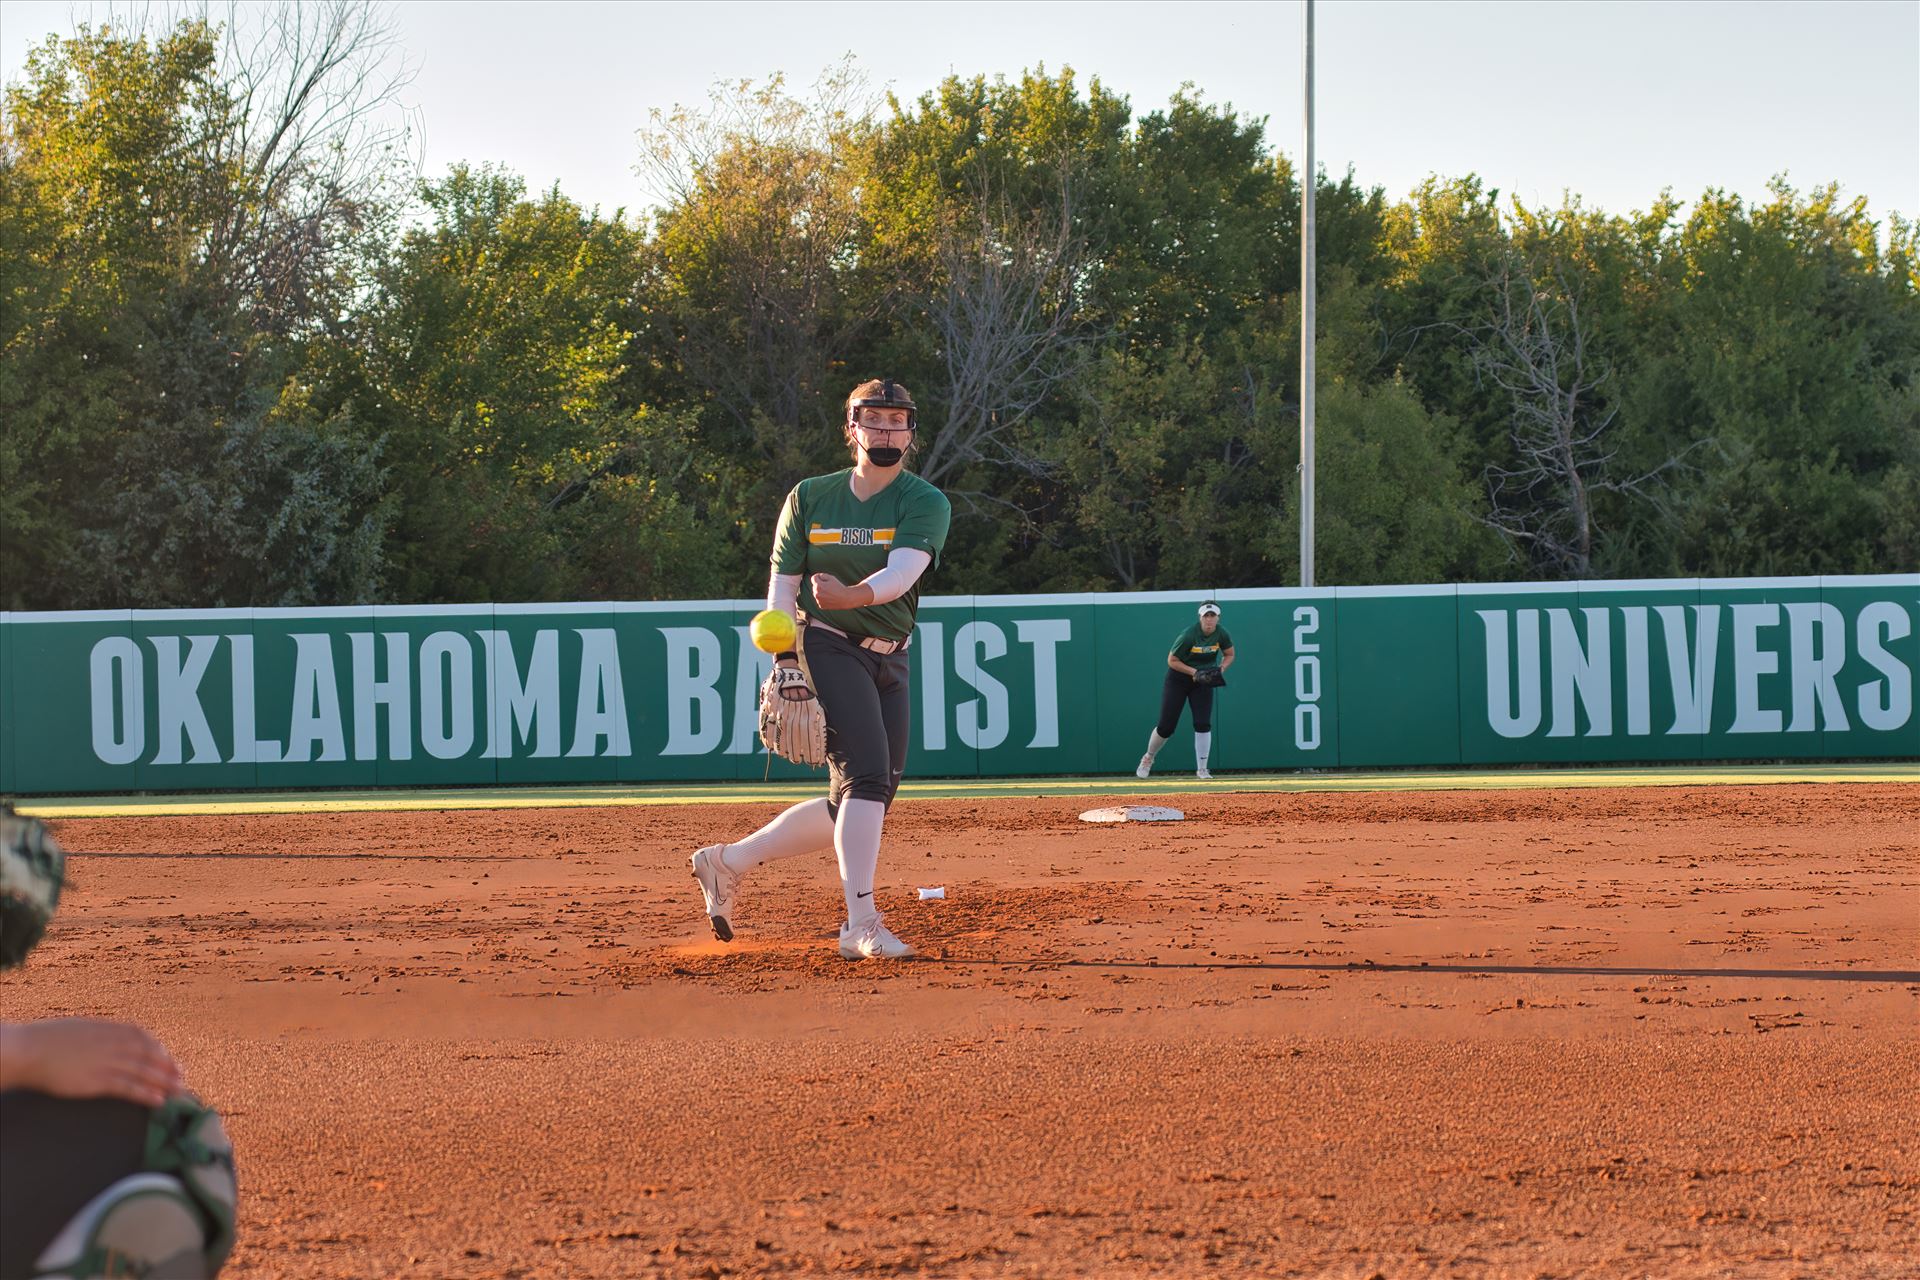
x=1198, y=649
x=824, y=528
x=865, y=695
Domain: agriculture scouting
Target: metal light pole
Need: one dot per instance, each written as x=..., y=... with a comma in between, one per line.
x=1307, y=178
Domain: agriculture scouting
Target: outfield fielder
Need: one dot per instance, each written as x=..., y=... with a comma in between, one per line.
x=878, y=527
x=1196, y=666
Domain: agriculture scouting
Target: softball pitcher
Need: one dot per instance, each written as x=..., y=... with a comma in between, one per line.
x=849, y=553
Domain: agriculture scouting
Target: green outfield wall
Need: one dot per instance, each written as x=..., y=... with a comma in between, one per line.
x=228, y=699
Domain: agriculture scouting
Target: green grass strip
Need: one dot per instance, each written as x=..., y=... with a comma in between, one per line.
x=540, y=797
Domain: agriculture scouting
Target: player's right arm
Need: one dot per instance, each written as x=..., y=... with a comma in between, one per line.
x=783, y=592
x=789, y=560
x=1173, y=656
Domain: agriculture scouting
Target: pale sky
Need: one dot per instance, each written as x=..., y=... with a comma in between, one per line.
x=1611, y=100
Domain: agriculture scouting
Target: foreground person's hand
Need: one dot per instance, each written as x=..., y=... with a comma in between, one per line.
x=88, y=1058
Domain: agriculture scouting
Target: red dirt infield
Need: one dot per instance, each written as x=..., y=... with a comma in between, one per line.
x=1669, y=1032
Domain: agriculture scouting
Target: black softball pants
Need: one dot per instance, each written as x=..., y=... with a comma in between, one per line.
x=1180, y=691
x=867, y=699
x=59, y=1153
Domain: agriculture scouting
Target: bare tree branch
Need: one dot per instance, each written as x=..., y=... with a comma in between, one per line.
x=1538, y=349
x=306, y=130
x=1005, y=318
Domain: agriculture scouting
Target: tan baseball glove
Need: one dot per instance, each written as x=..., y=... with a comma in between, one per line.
x=792, y=723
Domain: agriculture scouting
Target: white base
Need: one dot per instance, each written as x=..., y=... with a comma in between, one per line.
x=1134, y=813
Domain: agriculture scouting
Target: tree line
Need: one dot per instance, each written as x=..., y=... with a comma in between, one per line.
x=249, y=356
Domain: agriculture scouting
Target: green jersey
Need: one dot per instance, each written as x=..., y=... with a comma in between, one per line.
x=824, y=528
x=1198, y=649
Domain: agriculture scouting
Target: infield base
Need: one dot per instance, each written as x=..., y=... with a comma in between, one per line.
x=1134, y=813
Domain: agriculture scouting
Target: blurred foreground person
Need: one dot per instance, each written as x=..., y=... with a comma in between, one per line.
x=108, y=1166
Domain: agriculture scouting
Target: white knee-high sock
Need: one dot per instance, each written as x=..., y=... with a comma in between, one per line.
x=1202, y=746
x=1155, y=742
x=805, y=827
x=856, y=838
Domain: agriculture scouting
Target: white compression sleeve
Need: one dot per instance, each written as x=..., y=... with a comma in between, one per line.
x=783, y=592
x=904, y=567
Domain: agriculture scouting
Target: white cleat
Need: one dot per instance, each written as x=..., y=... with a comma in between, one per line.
x=718, y=885
x=1203, y=775
x=1145, y=767
x=873, y=941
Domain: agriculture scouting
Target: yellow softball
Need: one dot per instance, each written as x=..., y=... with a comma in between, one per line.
x=772, y=630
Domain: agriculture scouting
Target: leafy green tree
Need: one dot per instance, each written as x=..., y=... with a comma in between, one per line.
x=1393, y=503
x=1789, y=338
x=756, y=299
x=1166, y=437
x=157, y=441
x=240, y=364
x=221, y=490
x=1449, y=242
x=1759, y=365
x=1186, y=471
x=497, y=348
